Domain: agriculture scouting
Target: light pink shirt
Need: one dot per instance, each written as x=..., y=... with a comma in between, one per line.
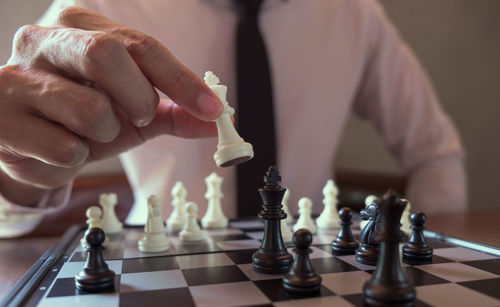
x=328, y=58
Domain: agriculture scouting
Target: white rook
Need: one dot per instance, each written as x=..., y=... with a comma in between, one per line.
x=231, y=149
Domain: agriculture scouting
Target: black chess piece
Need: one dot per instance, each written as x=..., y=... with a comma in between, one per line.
x=416, y=251
x=302, y=279
x=272, y=256
x=95, y=275
x=389, y=285
x=345, y=243
x=368, y=251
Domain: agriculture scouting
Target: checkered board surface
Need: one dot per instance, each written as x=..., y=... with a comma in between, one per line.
x=219, y=272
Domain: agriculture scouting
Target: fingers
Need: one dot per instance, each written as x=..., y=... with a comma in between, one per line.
x=170, y=119
x=83, y=110
x=95, y=56
x=41, y=140
x=160, y=67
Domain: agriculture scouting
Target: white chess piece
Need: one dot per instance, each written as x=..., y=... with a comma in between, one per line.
x=405, y=220
x=155, y=239
x=368, y=201
x=110, y=223
x=286, y=233
x=231, y=148
x=94, y=215
x=214, y=217
x=305, y=220
x=177, y=218
x=191, y=230
x=284, y=203
x=329, y=218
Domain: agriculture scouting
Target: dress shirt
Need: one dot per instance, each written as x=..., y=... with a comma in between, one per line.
x=328, y=58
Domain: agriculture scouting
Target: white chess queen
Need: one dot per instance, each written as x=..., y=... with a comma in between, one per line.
x=155, y=239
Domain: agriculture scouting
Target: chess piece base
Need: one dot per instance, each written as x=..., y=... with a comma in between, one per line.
x=271, y=263
x=154, y=243
x=214, y=224
x=367, y=255
x=297, y=285
x=379, y=295
x=232, y=154
x=95, y=281
x=197, y=236
x=344, y=248
x=414, y=255
x=175, y=226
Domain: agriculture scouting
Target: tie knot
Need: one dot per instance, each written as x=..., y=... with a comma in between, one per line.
x=248, y=7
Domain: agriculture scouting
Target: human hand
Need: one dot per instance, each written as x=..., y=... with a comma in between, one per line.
x=85, y=90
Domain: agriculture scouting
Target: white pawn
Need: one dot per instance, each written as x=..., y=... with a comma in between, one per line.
x=93, y=214
x=177, y=218
x=191, y=230
x=284, y=203
x=110, y=223
x=286, y=233
x=231, y=148
x=305, y=220
x=329, y=218
x=214, y=217
x=405, y=220
x=368, y=201
x=155, y=239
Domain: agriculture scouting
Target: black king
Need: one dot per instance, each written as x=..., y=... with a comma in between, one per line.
x=272, y=256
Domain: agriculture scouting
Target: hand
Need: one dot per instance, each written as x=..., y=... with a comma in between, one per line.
x=85, y=90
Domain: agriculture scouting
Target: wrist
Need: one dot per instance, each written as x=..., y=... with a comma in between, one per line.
x=18, y=192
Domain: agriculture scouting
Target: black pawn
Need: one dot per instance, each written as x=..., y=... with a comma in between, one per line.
x=389, y=285
x=345, y=244
x=302, y=279
x=416, y=251
x=95, y=276
x=272, y=257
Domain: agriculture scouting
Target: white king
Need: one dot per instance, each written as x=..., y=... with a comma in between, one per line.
x=231, y=149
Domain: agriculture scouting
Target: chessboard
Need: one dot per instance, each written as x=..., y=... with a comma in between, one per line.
x=219, y=272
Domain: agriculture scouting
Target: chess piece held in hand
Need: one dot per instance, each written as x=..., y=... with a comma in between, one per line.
x=231, y=148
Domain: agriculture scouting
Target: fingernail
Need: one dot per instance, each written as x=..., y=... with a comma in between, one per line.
x=210, y=107
x=143, y=122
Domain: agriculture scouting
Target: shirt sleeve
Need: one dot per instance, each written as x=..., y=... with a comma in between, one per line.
x=396, y=95
x=16, y=220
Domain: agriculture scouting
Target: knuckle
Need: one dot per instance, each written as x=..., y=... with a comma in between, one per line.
x=180, y=78
x=69, y=15
x=23, y=38
x=91, y=111
x=100, y=48
x=70, y=152
x=142, y=45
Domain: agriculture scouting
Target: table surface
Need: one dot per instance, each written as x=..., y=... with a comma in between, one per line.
x=18, y=255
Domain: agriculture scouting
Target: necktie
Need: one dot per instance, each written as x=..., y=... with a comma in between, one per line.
x=255, y=117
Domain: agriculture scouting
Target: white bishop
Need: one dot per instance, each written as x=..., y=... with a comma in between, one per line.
x=305, y=220
x=110, y=223
x=214, y=217
x=177, y=218
x=329, y=218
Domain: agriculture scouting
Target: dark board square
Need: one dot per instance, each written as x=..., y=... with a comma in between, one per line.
x=331, y=265
x=163, y=297
x=67, y=287
x=489, y=265
x=437, y=244
x=489, y=287
x=196, y=247
x=273, y=289
x=149, y=264
x=241, y=256
x=357, y=300
x=231, y=237
x=213, y=275
x=108, y=254
x=326, y=247
x=421, y=278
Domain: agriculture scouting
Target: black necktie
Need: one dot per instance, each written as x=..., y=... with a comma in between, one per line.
x=255, y=117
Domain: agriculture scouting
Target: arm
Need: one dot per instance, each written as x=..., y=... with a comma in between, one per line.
x=85, y=89
x=396, y=95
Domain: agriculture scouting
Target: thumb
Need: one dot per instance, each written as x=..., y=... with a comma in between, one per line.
x=169, y=119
